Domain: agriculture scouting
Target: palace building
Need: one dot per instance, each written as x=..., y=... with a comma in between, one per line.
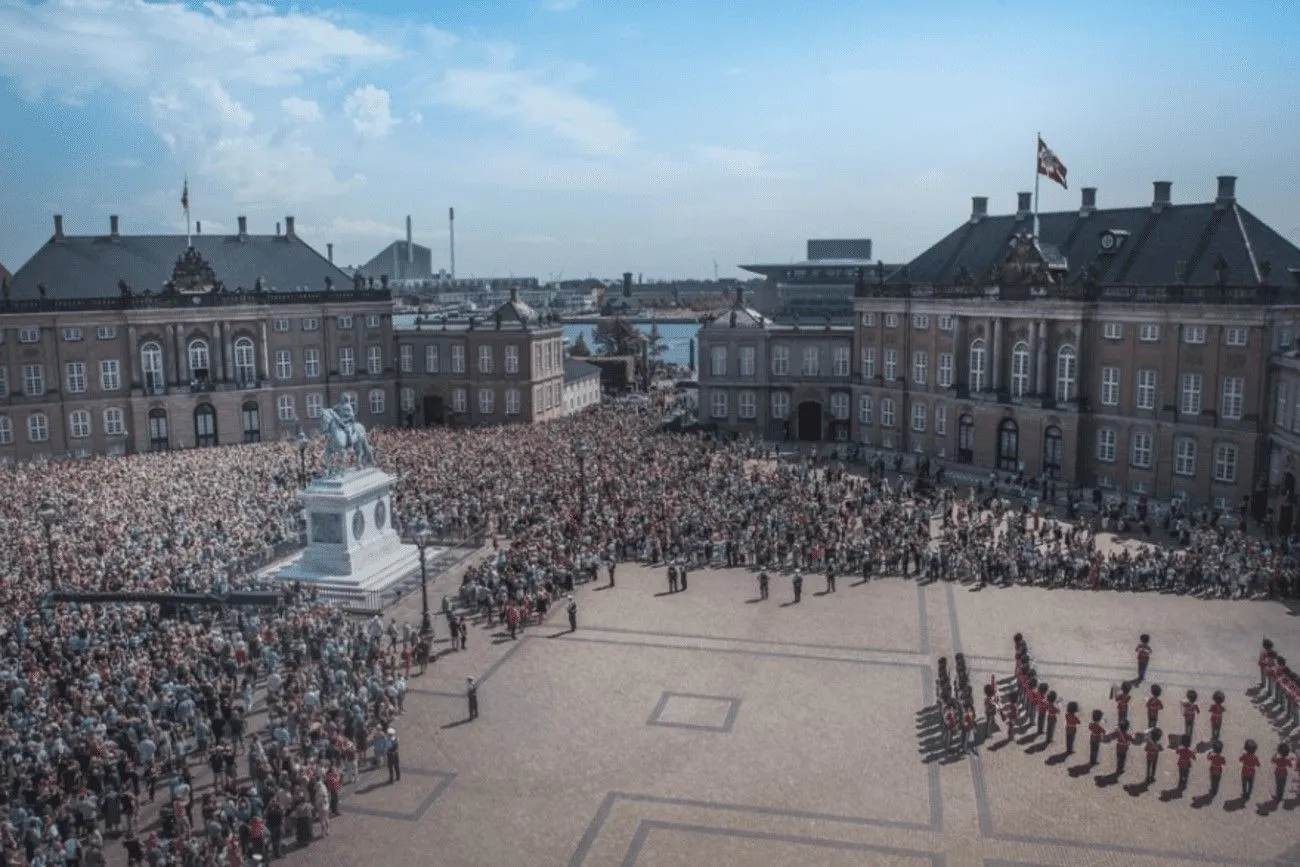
x=1140, y=349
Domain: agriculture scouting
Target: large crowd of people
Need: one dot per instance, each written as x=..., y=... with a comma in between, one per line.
x=118, y=722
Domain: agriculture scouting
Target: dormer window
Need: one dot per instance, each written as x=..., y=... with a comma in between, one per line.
x=1112, y=240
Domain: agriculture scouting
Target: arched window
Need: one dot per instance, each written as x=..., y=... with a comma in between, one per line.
x=1008, y=445
x=965, y=439
x=252, y=418
x=151, y=365
x=245, y=363
x=205, y=425
x=1019, y=369
x=1052, y=449
x=199, y=360
x=1067, y=374
x=158, y=436
x=978, y=364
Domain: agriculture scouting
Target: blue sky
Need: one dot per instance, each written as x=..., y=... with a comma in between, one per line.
x=597, y=136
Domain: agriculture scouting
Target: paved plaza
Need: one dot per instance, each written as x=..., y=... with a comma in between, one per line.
x=708, y=728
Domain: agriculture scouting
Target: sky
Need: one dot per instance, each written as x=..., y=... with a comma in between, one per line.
x=592, y=137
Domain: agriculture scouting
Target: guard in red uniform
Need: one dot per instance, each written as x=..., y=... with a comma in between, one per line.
x=1053, y=709
x=1071, y=725
x=1154, y=706
x=1190, y=710
x=1216, y=716
x=1249, y=764
x=1281, y=765
x=1217, y=760
x=1096, y=731
x=1153, y=748
x=1122, y=699
x=1122, y=740
x=1186, y=755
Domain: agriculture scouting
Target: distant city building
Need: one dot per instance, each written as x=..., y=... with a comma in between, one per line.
x=403, y=261
x=819, y=286
x=581, y=385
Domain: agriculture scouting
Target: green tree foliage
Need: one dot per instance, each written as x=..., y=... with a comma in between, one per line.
x=614, y=335
x=579, y=349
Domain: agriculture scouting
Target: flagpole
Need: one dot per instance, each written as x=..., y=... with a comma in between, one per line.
x=1037, y=176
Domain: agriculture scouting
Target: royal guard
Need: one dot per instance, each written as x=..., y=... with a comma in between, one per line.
x=1143, y=655
x=1122, y=740
x=1053, y=710
x=1190, y=710
x=1154, y=706
x=1096, y=731
x=1217, y=760
x=1071, y=725
x=1216, y=716
x=1122, y=698
x=1153, y=748
x=1186, y=755
x=1249, y=764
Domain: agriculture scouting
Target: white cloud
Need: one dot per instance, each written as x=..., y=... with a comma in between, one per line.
x=305, y=110
x=359, y=229
x=519, y=96
x=258, y=169
x=368, y=109
x=415, y=118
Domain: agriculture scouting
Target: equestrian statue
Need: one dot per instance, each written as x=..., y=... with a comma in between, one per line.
x=344, y=435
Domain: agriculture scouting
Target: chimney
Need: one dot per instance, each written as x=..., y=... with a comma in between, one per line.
x=113, y=227
x=277, y=228
x=288, y=227
x=329, y=252
x=1227, y=191
x=514, y=293
x=1161, y=199
x=1025, y=206
x=58, y=227
x=627, y=284
x=198, y=227
x=979, y=208
x=410, y=251
x=243, y=227
x=1089, y=203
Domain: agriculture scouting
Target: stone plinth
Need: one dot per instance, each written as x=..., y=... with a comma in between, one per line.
x=352, y=547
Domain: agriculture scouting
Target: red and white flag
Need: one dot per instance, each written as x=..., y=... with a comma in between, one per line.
x=1050, y=165
x=185, y=191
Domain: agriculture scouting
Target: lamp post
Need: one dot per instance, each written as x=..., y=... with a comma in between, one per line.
x=49, y=514
x=423, y=536
x=302, y=442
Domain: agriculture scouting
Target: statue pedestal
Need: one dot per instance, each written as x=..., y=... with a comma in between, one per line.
x=352, y=551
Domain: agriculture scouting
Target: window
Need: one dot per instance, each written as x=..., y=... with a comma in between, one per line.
x=891, y=365
x=314, y=403
x=310, y=323
x=458, y=359
x=965, y=439
x=1113, y=331
x=780, y=360
x=1145, y=389
x=840, y=406
x=199, y=359
x=812, y=361
x=719, y=403
x=1234, y=336
x=946, y=323
x=1149, y=333
x=374, y=360
x=1230, y=401
x=4, y=382
x=869, y=363
x=79, y=424
x=72, y=335
x=110, y=375
x=886, y=412
x=1067, y=374
x=1139, y=453
x=718, y=361
x=512, y=359
x=868, y=320
x=1225, y=463
x=1053, y=449
x=280, y=325
x=1284, y=338
x=486, y=401
x=251, y=420
x=978, y=357
x=840, y=361
x=1106, y=445
x=458, y=400
x=864, y=409
x=114, y=422
x=941, y=420
x=1191, y=394
x=920, y=366
x=6, y=430
x=372, y=320
x=921, y=322
x=377, y=401
x=746, y=404
x=431, y=358
x=285, y=409
x=151, y=363
x=512, y=401
x=1008, y=445
x=1019, y=369
x=891, y=320
x=245, y=362
x=283, y=364
x=485, y=364
x=38, y=427
x=406, y=358
x=33, y=379
x=344, y=323
x=347, y=361
x=1110, y=386
x=106, y=332
x=1280, y=416
x=205, y=425
x=1185, y=457
x=1194, y=334
x=311, y=362
x=74, y=376
x=780, y=404
x=158, y=436
x=406, y=398
x=30, y=334
x=945, y=369
x=918, y=417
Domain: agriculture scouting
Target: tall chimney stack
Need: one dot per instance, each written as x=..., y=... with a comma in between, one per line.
x=288, y=227
x=58, y=227
x=243, y=227
x=410, y=251
x=113, y=226
x=329, y=252
x=1227, y=191
x=1161, y=198
x=198, y=227
x=451, y=236
x=979, y=208
x=277, y=228
x=1089, y=204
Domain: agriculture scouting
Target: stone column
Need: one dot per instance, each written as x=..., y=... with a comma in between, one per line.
x=266, y=355
x=996, y=357
x=960, y=351
x=1035, y=373
x=219, y=354
x=133, y=350
x=1040, y=331
x=228, y=339
x=174, y=333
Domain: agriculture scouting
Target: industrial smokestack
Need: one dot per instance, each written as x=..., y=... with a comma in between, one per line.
x=451, y=234
x=410, y=253
x=329, y=251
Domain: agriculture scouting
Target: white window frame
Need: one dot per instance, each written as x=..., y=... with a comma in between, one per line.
x=110, y=374
x=1141, y=449
x=886, y=412
x=377, y=399
x=315, y=403
x=840, y=365
x=920, y=414
x=947, y=322
x=79, y=424
x=841, y=406
x=978, y=365
x=746, y=404
x=1234, y=336
x=780, y=360
x=718, y=361
x=459, y=400
x=280, y=324
x=1189, y=394
x=1226, y=456
x=869, y=362
x=406, y=358
x=1109, y=395
x=890, y=368
x=1185, y=456
x=310, y=323
x=1113, y=331
x=4, y=382
x=920, y=322
x=891, y=320
x=511, y=359
x=114, y=422
x=285, y=408
x=6, y=430
x=375, y=360
x=29, y=334
x=1232, y=397
x=33, y=380
x=1020, y=369
x=812, y=361
x=1281, y=414
x=74, y=377
x=283, y=364
x=372, y=320
x=406, y=399
x=486, y=360
x=865, y=409
x=245, y=360
x=1194, y=334
x=780, y=405
x=347, y=361
x=199, y=356
x=941, y=420
x=1149, y=332
x=38, y=427
x=311, y=362
x=431, y=359
x=947, y=364
x=106, y=332
x=718, y=403
x=513, y=401
x=1144, y=388
x=920, y=366
x=343, y=323
x=1067, y=374
x=457, y=358
x=72, y=335
x=1107, y=443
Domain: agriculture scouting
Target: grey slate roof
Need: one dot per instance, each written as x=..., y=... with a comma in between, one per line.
x=1159, y=241
x=88, y=266
x=575, y=370
x=392, y=260
x=4, y=273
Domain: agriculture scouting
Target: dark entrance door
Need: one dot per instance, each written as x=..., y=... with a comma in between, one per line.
x=810, y=421
x=1286, y=510
x=1052, y=451
x=433, y=410
x=1008, y=446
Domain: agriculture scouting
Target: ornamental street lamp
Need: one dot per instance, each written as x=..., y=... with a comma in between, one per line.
x=302, y=442
x=48, y=514
x=423, y=536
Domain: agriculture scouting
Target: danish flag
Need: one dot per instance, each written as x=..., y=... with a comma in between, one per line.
x=1050, y=165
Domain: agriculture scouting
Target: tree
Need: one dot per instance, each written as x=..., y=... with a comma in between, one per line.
x=579, y=348
x=655, y=343
x=614, y=335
